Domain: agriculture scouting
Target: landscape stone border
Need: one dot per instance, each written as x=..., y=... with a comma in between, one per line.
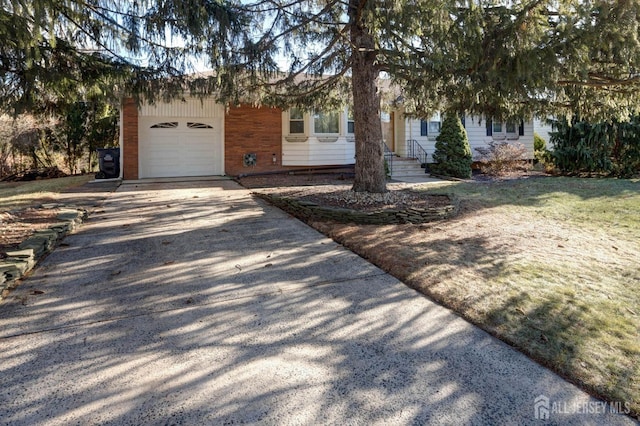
x=19, y=262
x=306, y=210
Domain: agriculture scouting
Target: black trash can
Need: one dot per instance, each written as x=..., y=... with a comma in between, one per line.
x=109, y=161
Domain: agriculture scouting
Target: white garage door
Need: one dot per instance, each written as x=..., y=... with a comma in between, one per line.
x=179, y=146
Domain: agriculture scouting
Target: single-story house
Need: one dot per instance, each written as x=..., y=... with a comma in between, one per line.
x=193, y=137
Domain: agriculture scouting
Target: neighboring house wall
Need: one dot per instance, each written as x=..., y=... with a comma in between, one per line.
x=250, y=130
x=543, y=129
x=317, y=139
x=424, y=131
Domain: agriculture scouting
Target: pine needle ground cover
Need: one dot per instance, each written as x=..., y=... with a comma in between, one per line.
x=550, y=265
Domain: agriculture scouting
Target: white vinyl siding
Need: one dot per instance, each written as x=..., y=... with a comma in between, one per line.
x=476, y=133
x=541, y=127
x=324, y=142
x=315, y=153
x=413, y=130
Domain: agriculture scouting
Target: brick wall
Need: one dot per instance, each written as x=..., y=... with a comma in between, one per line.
x=253, y=130
x=130, y=139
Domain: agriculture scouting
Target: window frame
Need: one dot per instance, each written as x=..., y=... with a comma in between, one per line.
x=165, y=125
x=316, y=115
x=297, y=120
x=351, y=123
x=504, y=132
x=427, y=126
x=198, y=125
x=432, y=132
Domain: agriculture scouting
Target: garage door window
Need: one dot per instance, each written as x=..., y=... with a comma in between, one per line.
x=165, y=125
x=199, y=126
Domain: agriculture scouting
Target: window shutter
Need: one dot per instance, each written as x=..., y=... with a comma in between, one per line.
x=462, y=117
x=521, y=128
x=489, y=128
x=424, y=126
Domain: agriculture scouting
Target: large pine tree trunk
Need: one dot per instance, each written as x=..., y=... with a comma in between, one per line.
x=369, y=174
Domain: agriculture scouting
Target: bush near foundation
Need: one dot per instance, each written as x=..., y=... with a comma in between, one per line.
x=500, y=158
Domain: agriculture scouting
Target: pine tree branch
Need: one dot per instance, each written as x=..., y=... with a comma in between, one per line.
x=601, y=81
x=303, y=23
x=98, y=42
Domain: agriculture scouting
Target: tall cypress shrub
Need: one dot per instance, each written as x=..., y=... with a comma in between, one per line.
x=453, y=153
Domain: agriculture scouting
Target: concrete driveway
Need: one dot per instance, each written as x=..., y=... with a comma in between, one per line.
x=193, y=303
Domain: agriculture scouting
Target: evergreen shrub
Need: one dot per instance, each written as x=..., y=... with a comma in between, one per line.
x=453, y=153
x=606, y=148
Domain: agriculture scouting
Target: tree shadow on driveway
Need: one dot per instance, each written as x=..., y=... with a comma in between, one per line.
x=191, y=304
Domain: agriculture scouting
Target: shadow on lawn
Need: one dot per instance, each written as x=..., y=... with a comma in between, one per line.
x=533, y=191
x=566, y=340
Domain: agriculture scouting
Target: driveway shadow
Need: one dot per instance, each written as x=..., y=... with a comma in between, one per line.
x=195, y=304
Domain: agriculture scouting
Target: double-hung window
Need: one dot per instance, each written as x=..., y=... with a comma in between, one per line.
x=351, y=127
x=504, y=130
x=296, y=121
x=431, y=127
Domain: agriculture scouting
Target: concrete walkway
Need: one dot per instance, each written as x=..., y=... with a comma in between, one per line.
x=193, y=303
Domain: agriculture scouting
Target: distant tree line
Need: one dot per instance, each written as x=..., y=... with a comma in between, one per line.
x=67, y=138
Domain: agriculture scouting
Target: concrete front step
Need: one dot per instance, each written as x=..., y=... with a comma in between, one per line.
x=409, y=175
x=404, y=160
x=406, y=167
